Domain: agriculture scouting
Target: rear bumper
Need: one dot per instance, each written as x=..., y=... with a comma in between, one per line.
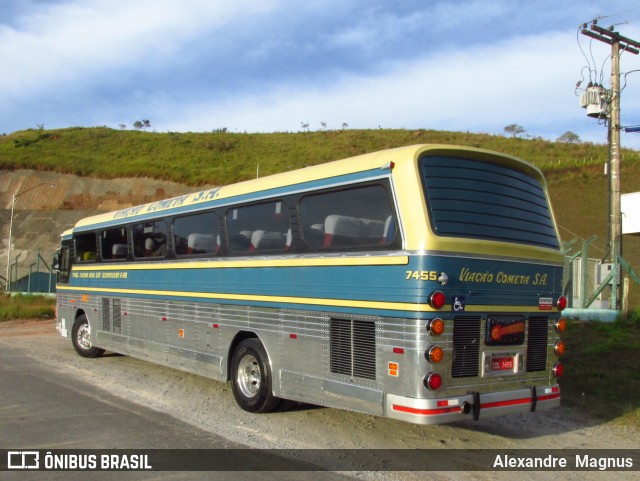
x=471, y=406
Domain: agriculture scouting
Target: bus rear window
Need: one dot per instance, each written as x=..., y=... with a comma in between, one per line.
x=480, y=200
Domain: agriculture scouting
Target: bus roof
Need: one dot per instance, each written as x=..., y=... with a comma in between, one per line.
x=353, y=165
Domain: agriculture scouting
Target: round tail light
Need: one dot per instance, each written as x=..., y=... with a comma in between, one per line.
x=561, y=325
x=433, y=381
x=436, y=327
x=562, y=303
x=558, y=370
x=437, y=300
x=435, y=354
x=559, y=348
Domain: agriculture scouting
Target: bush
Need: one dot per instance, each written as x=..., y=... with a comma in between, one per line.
x=26, y=307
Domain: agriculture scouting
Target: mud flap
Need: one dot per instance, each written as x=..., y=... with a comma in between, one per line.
x=534, y=398
x=476, y=405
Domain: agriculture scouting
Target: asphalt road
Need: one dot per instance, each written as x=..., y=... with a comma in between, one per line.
x=42, y=409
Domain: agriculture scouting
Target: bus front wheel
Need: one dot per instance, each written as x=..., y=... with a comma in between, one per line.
x=251, y=378
x=81, y=338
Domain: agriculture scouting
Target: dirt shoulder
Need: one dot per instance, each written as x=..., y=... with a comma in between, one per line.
x=210, y=406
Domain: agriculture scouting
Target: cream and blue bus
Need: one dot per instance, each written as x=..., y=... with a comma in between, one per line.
x=420, y=283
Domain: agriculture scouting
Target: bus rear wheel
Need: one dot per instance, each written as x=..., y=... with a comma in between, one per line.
x=251, y=378
x=81, y=338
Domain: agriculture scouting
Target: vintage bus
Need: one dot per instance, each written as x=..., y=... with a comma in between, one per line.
x=421, y=283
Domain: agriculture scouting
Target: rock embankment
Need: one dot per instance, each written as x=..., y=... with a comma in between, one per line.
x=49, y=203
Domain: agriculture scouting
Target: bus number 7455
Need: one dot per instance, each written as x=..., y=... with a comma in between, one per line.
x=422, y=275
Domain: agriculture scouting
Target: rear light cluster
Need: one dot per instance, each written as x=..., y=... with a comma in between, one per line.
x=559, y=347
x=434, y=354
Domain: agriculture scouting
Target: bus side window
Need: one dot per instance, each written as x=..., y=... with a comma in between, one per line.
x=114, y=243
x=150, y=240
x=86, y=247
x=360, y=217
x=196, y=235
x=259, y=228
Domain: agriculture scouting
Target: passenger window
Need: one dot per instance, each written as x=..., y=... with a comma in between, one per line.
x=348, y=219
x=114, y=244
x=86, y=247
x=150, y=239
x=259, y=228
x=196, y=235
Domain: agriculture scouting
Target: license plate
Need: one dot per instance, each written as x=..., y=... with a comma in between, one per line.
x=502, y=364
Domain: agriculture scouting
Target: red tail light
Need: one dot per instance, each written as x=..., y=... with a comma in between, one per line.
x=433, y=381
x=558, y=370
x=562, y=303
x=437, y=300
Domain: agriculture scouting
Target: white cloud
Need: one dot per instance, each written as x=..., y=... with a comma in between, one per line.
x=74, y=42
x=198, y=65
x=484, y=86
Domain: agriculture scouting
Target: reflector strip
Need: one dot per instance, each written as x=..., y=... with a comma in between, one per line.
x=510, y=402
x=431, y=412
x=424, y=412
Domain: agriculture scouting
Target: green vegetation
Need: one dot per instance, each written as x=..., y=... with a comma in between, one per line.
x=601, y=369
x=26, y=307
x=221, y=157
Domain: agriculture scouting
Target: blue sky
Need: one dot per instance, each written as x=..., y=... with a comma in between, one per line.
x=270, y=65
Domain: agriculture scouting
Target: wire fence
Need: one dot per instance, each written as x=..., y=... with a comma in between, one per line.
x=36, y=277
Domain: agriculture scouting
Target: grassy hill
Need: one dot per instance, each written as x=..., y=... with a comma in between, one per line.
x=579, y=190
x=222, y=157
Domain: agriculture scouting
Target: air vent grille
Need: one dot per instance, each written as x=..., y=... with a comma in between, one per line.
x=466, y=346
x=353, y=348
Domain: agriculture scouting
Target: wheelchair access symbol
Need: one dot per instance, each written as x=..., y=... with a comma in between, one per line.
x=457, y=305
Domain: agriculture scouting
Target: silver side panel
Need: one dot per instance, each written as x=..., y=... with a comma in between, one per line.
x=330, y=359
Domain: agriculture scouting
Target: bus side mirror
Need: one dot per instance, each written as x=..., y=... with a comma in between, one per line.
x=56, y=261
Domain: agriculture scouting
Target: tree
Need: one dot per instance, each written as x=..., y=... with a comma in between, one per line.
x=569, y=138
x=142, y=124
x=515, y=130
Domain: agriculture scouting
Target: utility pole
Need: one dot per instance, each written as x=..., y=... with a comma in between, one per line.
x=618, y=43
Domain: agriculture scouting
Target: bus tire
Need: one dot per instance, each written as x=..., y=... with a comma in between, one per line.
x=81, y=338
x=251, y=378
